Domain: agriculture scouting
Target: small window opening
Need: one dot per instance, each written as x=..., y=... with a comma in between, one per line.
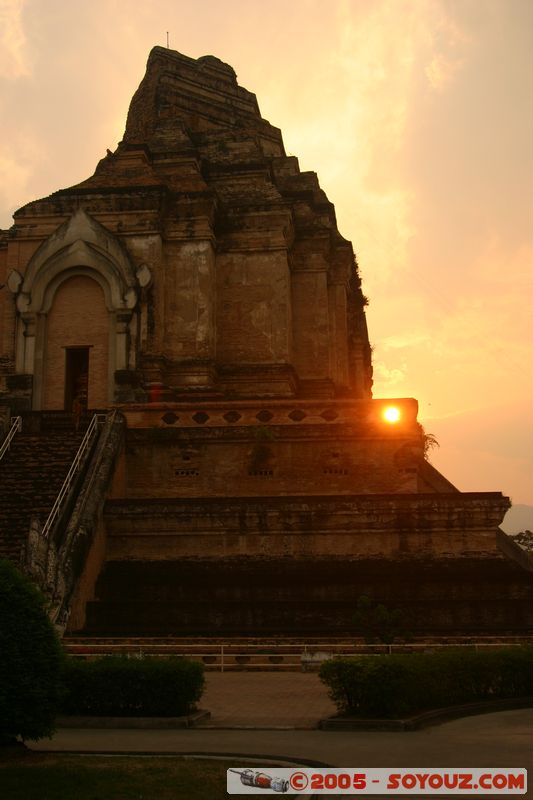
x=187, y=473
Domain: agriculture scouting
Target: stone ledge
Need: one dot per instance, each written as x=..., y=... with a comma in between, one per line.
x=143, y=723
x=434, y=717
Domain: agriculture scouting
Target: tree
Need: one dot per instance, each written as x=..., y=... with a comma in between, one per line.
x=377, y=622
x=31, y=659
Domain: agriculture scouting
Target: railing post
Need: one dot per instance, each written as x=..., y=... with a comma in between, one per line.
x=222, y=658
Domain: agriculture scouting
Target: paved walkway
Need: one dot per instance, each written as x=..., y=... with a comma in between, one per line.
x=271, y=701
x=266, y=700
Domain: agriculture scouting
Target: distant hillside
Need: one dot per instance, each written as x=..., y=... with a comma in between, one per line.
x=518, y=518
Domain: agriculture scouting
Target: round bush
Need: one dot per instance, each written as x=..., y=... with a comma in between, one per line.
x=390, y=686
x=118, y=686
x=31, y=659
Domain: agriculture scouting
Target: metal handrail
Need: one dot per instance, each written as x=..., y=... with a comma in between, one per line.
x=228, y=661
x=98, y=419
x=16, y=426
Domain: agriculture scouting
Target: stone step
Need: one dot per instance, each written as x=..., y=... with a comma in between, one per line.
x=31, y=475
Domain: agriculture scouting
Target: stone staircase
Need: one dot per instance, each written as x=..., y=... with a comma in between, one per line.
x=32, y=472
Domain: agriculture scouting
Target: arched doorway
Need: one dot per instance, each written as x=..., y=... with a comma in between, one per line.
x=76, y=319
x=76, y=351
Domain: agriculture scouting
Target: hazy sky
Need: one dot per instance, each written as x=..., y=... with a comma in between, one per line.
x=417, y=116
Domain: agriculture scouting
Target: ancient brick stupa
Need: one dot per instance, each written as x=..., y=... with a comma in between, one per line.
x=198, y=283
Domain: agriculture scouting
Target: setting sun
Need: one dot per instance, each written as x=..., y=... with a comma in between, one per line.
x=392, y=414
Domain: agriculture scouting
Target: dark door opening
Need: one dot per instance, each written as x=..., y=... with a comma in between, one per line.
x=76, y=379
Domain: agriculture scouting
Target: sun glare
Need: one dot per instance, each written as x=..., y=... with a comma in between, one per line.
x=392, y=414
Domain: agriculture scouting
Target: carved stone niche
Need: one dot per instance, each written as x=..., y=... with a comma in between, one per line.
x=19, y=393
x=19, y=384
x=129, y=386
x=186, y=462
x=336, y=463
x=261, y=459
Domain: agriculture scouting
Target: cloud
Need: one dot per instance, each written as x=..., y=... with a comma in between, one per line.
x=449, y=45
x=18, y=168
x=376, y=72
x=388, y=377
x=441, y=71
x=14, y=55
x=14, y=178
x=405, y=339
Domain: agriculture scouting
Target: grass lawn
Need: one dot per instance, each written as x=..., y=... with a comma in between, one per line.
x=27, y=775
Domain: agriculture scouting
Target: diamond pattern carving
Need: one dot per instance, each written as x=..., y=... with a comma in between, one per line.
x=297, y=415
x=232, y=416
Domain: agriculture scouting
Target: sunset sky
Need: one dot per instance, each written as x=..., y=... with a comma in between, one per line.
x=417, y=116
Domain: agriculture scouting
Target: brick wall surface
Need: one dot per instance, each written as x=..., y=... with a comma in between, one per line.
x=78, y=318
x=253, y=323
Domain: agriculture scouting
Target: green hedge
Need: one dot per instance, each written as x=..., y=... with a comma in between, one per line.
x=392, y=686
x=31, y=659
x=132, y=687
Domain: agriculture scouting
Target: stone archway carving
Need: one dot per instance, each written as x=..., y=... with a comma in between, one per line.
x=81, y=246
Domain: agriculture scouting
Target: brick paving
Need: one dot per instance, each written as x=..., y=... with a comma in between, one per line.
x=265, y=700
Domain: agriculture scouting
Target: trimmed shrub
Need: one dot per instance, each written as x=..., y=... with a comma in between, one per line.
x=117, y=686
x=394, y=685
x=31, y=659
